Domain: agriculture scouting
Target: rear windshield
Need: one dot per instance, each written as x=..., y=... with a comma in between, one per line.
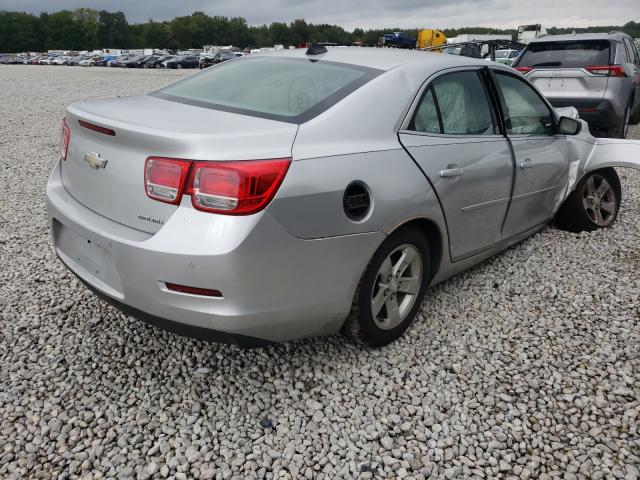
x=285, y=89
x=569, y=54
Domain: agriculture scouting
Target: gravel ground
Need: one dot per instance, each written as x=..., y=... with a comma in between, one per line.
x=527, y=366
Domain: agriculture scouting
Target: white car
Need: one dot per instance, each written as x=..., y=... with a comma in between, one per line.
x=506, y=57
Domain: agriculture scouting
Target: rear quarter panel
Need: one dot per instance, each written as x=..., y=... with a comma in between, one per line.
x=357, y=139
x=310, y=201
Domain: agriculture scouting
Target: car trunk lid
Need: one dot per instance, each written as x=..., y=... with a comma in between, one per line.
x=105, y=172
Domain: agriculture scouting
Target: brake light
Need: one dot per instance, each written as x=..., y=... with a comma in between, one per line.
x=165, y=178
x=607, y=70
x=64, y=139
x=236, y=188
x=524, y=70
x=96, y=128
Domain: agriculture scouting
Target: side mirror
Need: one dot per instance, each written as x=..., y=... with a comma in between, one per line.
x=569, y=126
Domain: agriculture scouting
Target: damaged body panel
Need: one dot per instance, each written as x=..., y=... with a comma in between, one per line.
x=589, y=154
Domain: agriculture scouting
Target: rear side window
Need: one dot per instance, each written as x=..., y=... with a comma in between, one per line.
x=285, y=89
x=456, y=104
x=631, y=51
x=571, y=54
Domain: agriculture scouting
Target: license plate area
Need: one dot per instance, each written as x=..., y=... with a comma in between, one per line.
x=89, y=260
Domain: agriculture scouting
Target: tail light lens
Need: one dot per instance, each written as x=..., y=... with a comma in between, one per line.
x=236, y=188
x=164, y=178
x=524, y=70
x=64, y=139
x=231, y=188
x=607, y=70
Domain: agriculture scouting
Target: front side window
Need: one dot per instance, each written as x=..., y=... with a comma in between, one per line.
x=285, y=89
x=525, y=112
x=456, y=104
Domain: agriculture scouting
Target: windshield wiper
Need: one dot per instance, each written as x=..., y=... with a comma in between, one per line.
x=547, y=64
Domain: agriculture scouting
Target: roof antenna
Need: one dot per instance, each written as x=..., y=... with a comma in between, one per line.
x=315, y=49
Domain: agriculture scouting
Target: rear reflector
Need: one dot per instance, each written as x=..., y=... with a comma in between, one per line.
x=236, y=188
x=607, y=70
x=96, y=128
x=193, y=290
x=165, y=178
x=64, y=139
x=524, y=69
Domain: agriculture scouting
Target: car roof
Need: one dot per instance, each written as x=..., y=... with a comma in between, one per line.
x=380, y=58
x=578, y=36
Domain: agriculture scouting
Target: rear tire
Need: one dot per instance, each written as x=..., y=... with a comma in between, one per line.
x=593, y=204
x=635, y=118
x=620, y=130
x=391, y=289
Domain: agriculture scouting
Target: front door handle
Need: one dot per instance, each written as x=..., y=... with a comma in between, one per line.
x=451, y=171
x=526, y=164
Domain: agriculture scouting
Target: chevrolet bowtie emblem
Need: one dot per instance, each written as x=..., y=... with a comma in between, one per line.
x=94, y=160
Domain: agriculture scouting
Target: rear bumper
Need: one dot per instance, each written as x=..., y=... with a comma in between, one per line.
x=275, y=287
x=603, y=115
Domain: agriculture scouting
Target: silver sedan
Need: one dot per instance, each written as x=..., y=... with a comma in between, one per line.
x=289, y=195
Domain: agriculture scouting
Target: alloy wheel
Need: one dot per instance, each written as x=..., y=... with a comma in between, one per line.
x=599, y=200
x=396, y=287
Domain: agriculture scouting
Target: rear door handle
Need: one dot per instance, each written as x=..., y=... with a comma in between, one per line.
x=526, y=164
x=452, y=171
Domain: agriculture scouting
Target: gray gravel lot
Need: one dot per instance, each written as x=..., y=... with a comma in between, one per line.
x=524, y=367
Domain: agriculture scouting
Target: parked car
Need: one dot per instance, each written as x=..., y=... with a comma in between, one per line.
x=61, y=60
x=183, y=61
x=506, y=57
x=399, y=40
x=157, y=60
x=224, y=56
x=120, y=61
x=207, y=59
x=93, y=61
x=48, y=60
x=274, y=198
x=598, y=73
x=137, y=62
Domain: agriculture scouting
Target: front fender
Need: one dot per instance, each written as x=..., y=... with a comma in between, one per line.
x=588, y=154
x=613, y=152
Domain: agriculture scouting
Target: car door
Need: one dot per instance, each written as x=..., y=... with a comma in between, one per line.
x=541, y=155
x=454, y=137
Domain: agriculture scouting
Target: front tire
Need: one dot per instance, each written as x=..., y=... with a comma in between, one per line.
x=391, y=289
x=593, y=204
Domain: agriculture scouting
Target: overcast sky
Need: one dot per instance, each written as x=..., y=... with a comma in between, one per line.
x=367, y=13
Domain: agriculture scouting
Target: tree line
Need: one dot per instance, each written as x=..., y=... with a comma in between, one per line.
x=89, y=29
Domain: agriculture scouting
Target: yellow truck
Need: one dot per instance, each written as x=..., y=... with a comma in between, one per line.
x=431, y=38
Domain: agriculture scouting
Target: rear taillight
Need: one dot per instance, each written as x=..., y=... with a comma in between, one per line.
x=231, y=188
x=607, y=70
x=165, y=178
x=235, y=188
x=524, y=70
x=64, y=139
